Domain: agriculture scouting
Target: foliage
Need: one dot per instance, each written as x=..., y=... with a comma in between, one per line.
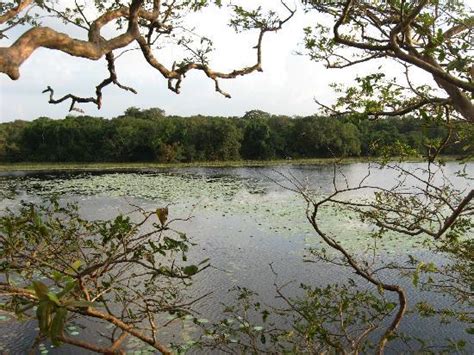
x=64, y=270
x=365, y=314
x=435, y=37
x=149, y=135
x=331, y=318
x=83, y=261
x=432, y=36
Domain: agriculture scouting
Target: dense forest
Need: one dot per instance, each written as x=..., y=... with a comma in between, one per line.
x=150, y=135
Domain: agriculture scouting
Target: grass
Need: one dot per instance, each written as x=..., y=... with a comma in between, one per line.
x=12, y=167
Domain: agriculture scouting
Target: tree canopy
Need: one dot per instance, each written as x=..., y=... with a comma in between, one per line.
x=150, y=136
x=434, y=36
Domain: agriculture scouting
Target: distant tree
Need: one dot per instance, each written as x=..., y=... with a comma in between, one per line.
x=133, y=112
x=256, y=114
x=149, y=113
x=132, y=139
x=281, y=128
x=200, y=138
x=256, y=143
x=11, y=147
x=226, y=140
x=153, y=113
x=350, y=140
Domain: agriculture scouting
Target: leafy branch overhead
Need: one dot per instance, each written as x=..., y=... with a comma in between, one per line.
x=432, y=36
x=145, y=24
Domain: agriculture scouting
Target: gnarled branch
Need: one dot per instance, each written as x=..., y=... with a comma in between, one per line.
x=97, y=100
x=176, y=75
x=11, y=58
x=96, y=46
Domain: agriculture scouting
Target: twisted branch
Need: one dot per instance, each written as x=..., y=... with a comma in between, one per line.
x=95, y=47
x=176, y=75
x=11, y=58
x=97, y=100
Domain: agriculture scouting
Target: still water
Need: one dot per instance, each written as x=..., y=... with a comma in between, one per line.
x=243, y=220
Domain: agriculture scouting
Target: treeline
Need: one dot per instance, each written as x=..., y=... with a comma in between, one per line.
x=150, y=135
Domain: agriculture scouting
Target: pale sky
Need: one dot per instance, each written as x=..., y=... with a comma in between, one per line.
x=287, y=86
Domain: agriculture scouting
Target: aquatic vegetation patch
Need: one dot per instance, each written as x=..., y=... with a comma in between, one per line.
x=275, y=211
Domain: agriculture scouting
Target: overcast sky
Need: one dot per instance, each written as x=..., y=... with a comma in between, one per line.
x=287, y=86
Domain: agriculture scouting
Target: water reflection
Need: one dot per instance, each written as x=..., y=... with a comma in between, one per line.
x=243, y=219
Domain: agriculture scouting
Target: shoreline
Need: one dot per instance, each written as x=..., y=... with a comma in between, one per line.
x=144, y=166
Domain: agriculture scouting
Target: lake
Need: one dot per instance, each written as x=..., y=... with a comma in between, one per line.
x=243, y=220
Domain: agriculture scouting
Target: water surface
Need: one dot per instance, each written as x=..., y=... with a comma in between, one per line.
x=243, y=219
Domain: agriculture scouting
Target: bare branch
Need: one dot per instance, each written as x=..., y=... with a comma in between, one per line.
x=112, y=79
x=176, y=75
x=454, y=216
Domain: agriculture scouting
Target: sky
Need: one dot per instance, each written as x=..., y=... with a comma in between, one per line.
x=288, y=84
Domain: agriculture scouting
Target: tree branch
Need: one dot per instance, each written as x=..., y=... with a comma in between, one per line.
x=15, y=11
x=112, y=79
x=176, y=75
x=402, y=300
x=11, y=58
x=452, y=218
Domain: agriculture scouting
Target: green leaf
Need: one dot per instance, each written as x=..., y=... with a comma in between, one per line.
x=162, y=214
x=76, y=265
x=461, y=344
x=190, y=270
x=53, y=298
x=57, y=325
x=43, y=313
x=416, y=278
x=68, y=288
x=57, y=276
x=41, y=289
x=38, y=221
